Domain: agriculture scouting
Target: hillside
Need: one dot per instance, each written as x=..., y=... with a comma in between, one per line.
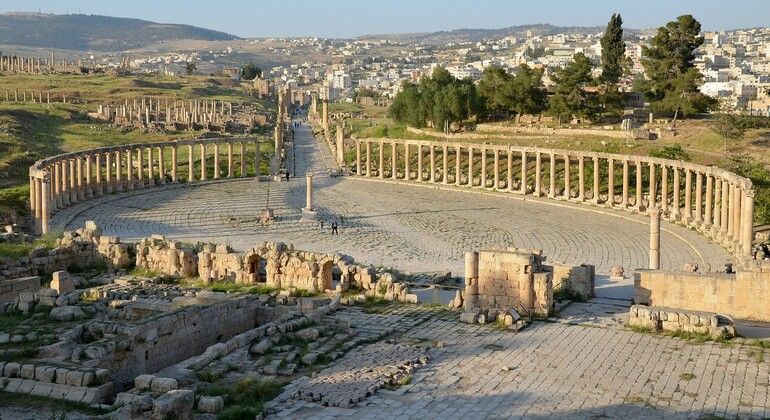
x=94, y=33
x=474, y=35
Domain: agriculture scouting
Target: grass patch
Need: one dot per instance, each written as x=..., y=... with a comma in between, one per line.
x=374, y=304
x=210, y=376
x=402, y=381
x=563, y=293
x=639, y=329
x=246, y=398
x=687, y=376
x=59, y=408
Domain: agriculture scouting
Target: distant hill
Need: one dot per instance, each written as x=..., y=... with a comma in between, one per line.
x=474, y=35
x=94, y=33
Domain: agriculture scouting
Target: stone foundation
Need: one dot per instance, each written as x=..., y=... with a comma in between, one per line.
x=669, y=319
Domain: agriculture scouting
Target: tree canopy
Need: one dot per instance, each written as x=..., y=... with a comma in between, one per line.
x=570, y=96
x=251, y=71
x=613, y=50
x=505, y=95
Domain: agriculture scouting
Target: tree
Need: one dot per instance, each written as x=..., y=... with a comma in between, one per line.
x=251, y=71
x=570, y=97
x=493, y=90
x=672, y=80
x=613, y=50
x=190, y=67
x=526, y=88
x=503, y=94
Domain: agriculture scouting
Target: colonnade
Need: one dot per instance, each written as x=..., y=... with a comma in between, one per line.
x=63, y=180
x=716, y=202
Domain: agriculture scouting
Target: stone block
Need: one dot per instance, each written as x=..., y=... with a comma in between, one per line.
x=11, y=369
x=211, y=405
x=27, y=371
x=62, y=282
x=174, y=404
x=163, y=385
x=143, y=382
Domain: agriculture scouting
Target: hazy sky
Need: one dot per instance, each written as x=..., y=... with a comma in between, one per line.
x=347, y=18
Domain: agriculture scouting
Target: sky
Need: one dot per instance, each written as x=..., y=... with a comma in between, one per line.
x=350, y=18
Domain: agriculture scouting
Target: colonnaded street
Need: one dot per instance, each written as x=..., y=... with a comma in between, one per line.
x=406, y=226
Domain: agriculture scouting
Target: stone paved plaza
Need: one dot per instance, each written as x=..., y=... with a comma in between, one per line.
x=555, y=369
x=410, y=227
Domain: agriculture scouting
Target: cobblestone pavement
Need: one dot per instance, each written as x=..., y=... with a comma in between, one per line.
x=412, y=228
x=556, y=370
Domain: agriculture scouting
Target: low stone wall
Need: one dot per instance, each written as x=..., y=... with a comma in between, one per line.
x=11, y=289
x=88, y=386
x=669, y=319
x=744, y=295
x=578, y=279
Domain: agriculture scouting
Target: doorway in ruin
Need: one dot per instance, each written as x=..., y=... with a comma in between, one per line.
x=326, y=274
x=256, y=267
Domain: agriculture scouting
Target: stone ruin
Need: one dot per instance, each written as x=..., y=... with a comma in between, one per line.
x=504, y=285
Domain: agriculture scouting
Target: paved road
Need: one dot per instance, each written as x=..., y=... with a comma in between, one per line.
x=412, y=228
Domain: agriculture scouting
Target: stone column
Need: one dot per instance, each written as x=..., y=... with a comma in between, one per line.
x=229, y=159
x=242, y=172
x=538, y=174
x=368, y=158
x=610, y=182
x=664, y=189
x=33, y=205
x=79, y=174
x=381, y=163
x=458, y=169
x=406, y=161
x=38, y=193
x=174, y=165
x=444, y=164
x=567, y=191
x=358, y=157
x=624, y=202
x=340, y=146
x=45, y=210
x=736, y=212
x=596, y=180
x=470, y=166
x=216, y=160
x=190, y=164
x=432, y=163
x=56, y=187
x=419, y=162
x=725, y=203
x=509, y=169
x=99, y=186
x=698, y=198
x=139, y=168
x=687, y=196
x=309, y=192
x=161, y=165
x=108, y=173
x=483, y=166
x=471, y=266
x=747, y=225
x=393, y=160
x=709, y=215
x=203, y=161
x=118, y=172
x=552, y=177
x=653, y=188
x=581, y=179
x=73, y=182
x=675, y=206
x=150, y=168
x=523, y=185
x=731, y=199
x=639, y=186
x=655, y=238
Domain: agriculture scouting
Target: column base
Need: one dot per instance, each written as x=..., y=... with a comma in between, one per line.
x=309, y=215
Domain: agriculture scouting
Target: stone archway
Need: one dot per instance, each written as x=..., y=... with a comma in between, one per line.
x=255, y=267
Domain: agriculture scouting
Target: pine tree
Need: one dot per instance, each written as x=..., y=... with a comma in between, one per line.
x=613, y=50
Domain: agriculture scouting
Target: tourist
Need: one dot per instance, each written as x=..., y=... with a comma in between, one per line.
x=334, y=229
x=287, y=175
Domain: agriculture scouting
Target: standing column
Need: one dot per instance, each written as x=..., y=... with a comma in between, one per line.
x=130, y=169
x=358, y=157
x=190, y=164
x=257, y=168
x=203, y=161
x=552, y=177
x=33, y=199
x=747, y=225
x=458, y=170
x=444, y=164
x=698, y=198
x=567, y=191
x=655, y=238
x=596, y=180
x=610, y=182
x=309, y=194
x=624, y=202
x=56, y=187
x=229, y=159
x=174, y=164
x=108, y=173
x=581, y=179
x=242, y=173
x=432, y=163
x=675, y=205
x=687, y=196
x=45, y=199
x=723, y=212
x=118, y=172
x=150, y=168
x=393, y=159
x=664, y=189
x=406, y=161
x=381, y=166
x=79, y=172
x=470, y=166
x=139, y=168
x=509, y=169
x=653, y=188
x=496, y=169
x=38, y=189
x=216, y=160
x=419, y=162
x=730, y=210
x=99, y=186
x=639, y=186
x=73, y=182
x=738, y=214
x=717, y=216
x=538, y=174
x=523, y=185
x=709, y=215
x=368, y=158
x=483, y=167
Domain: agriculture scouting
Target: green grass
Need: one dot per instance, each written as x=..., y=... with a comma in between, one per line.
x=687, y=376
x=232, y=287
x=17, y=250
x=245, y=398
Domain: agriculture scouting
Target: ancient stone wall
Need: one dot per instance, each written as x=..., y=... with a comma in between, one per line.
x=577, y=279
x=744, y=295
x=11, y=289
x=668, y=319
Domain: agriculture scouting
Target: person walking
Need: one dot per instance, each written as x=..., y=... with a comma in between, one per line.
x=334, y=229
x=287, y=175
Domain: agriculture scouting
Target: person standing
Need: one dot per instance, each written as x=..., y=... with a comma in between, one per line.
x=334, y=228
